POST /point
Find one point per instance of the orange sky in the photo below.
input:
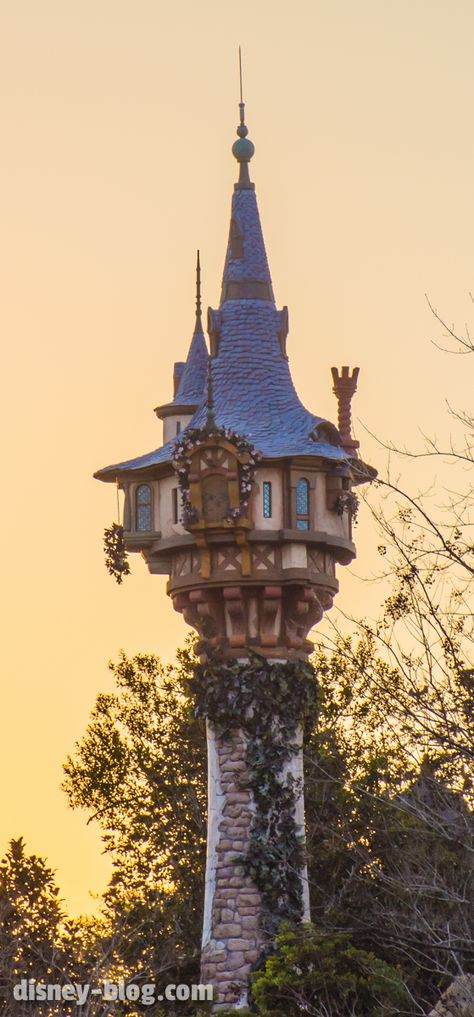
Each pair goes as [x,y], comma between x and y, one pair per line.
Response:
[117,123]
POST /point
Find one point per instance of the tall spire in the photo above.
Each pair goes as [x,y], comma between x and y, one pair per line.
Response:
[243,149]
[246,272]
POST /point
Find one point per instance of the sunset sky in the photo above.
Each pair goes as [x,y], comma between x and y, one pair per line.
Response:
[117,125]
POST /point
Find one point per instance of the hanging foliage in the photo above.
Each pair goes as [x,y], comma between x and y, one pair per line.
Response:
[116,559]
[188,442]
[271,702]
[347,502]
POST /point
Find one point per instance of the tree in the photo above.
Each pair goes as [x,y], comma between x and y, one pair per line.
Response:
[389,773]
[30,917]
[389,842]
[140,771]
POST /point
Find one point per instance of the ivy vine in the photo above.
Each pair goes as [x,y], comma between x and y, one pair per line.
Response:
[187,443]
[116,559]
[269,701]
[347,502]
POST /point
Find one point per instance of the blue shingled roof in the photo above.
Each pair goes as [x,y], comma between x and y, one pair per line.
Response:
[245,223]
[193,378]
[253,390]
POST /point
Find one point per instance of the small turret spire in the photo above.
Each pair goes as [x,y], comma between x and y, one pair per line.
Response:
[243,149]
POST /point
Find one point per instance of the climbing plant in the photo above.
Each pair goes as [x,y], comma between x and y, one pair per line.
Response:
[116,559]
[271,702]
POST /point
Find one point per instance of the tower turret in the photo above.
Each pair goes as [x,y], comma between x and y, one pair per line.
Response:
[189,377]
[248,511]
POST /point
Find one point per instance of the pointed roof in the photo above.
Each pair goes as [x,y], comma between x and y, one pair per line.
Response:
[246,272]
[253,392]
[190,377]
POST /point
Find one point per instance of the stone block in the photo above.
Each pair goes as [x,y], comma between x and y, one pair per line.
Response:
[234,766]
[238,798]
[236,831]
[250,922]
[232,811]
[251,956]
[237,944]
[251,896]
[236,960]
[226,929]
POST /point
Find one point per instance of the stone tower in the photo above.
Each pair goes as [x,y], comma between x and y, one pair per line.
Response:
[247,507]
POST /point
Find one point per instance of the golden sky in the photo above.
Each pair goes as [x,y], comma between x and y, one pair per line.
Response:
[117,124]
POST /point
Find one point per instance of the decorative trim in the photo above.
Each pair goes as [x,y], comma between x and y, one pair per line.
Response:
[201,438]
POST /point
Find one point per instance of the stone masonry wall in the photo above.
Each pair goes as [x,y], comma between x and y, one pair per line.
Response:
[232,938]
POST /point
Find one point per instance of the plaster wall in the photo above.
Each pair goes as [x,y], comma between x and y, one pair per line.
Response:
[215,805]
[294,556]
[275,478]
[166,525]
[295,767]
[326,519]
[170,423]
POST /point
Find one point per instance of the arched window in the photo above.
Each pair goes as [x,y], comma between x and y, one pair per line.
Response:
[302,504]
[143,507]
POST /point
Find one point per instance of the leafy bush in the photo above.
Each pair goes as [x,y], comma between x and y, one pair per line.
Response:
[325,976]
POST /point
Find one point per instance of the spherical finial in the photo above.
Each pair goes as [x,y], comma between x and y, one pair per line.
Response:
[243,150]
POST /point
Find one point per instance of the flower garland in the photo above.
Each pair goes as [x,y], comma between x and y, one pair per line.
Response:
[183,448]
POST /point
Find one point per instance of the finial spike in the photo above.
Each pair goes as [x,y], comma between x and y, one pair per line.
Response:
[198,288]
[243,149]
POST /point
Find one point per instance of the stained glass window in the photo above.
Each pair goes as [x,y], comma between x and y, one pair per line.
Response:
[302,504]
[267,499]
[143,505]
